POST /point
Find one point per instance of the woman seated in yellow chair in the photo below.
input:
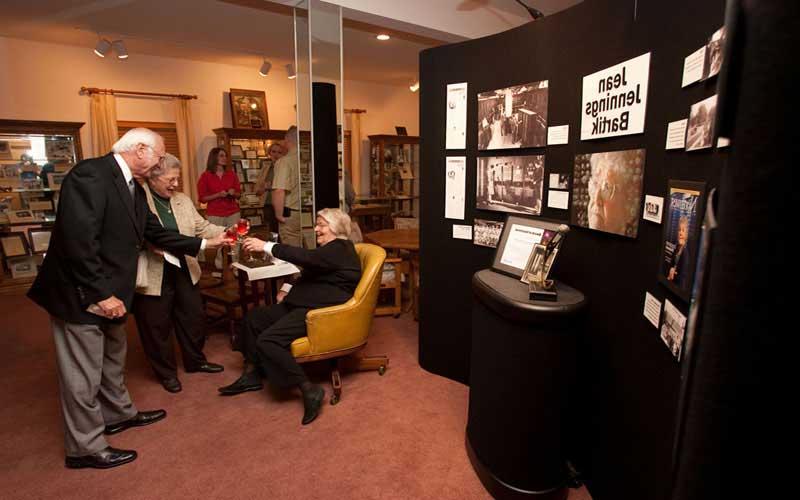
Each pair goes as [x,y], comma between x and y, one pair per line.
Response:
[330,276]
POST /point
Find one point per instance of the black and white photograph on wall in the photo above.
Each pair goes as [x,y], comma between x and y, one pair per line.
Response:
[513,117]
[673,328]
[510,184]
[700,132]
[607,191]
[59,148]
[487,232]
[559,181]
[684,206]
[714,51]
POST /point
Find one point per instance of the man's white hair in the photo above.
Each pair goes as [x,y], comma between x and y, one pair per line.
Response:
[133,138]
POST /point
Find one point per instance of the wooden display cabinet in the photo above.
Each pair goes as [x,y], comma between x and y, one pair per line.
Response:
[394,168]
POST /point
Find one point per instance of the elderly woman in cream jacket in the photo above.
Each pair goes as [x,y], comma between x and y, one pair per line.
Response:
[167,298]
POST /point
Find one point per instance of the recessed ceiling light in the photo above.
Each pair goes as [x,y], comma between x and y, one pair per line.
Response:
[383,37]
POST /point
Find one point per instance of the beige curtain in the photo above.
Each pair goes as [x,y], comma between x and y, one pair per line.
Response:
[183,125]
[355,151]
[103,115]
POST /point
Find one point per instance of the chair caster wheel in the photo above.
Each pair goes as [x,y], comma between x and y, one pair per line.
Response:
[334,399]
[381,370]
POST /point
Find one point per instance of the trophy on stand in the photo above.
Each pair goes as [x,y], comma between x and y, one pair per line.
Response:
[539,265]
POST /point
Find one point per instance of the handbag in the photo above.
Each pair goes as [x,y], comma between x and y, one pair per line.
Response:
[141,270]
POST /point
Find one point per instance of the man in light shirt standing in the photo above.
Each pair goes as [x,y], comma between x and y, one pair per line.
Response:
[286,192]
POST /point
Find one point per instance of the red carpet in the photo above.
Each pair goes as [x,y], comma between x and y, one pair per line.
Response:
[396,436]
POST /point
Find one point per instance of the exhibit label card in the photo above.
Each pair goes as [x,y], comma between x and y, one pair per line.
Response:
[461,232]
[615,99]
[558,199]
[673,329]
[519,245]
[653,208]
[693,66]
[558,135]
[652,309]
[456,116]
[676,134]
[553,181]
[455,179]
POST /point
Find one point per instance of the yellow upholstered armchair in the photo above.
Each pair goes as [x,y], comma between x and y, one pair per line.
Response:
[340,332]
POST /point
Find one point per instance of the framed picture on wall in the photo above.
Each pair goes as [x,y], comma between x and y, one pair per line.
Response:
[683,209]
[236,151]
[252,174]
[517,240]
[40,239]
[510,184]
[54,180]
[249,109]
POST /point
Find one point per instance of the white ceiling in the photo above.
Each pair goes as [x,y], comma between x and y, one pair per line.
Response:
[242,32]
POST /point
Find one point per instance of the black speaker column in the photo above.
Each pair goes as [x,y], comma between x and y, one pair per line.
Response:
[326,159]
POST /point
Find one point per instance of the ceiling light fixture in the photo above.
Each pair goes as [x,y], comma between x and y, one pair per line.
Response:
[383,37]
[290,71]
[414,86]
[265,67]
[120,49]
[102,48]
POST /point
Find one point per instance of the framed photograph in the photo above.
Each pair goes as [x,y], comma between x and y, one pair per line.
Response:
[607,191]
[700,130]
[22,267]
[510,184]
[401,130]
[252,174]
[236,151]
[486,233]
[516,243]
[14,245]
[251,199]
[54,180]
[40,239]
[59,148]
[681,229]
[17,216]
[250,153]
[40,205]
[513,117]
[5,151]
[249,109]
[240,176]
[255,220]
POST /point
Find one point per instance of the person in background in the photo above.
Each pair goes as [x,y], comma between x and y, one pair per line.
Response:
[170,299]
[331,273]
[263,186]
[286,192]
[219,188]
[86,284]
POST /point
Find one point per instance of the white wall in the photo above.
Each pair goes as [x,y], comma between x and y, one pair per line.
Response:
[41,81]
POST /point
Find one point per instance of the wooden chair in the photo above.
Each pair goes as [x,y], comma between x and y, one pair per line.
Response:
[398,267]
[339,333]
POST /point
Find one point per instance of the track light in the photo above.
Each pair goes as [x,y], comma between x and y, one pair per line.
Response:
[414,86]
[102,48]
[290,71]
[383,37]
[265,67]
[120,49]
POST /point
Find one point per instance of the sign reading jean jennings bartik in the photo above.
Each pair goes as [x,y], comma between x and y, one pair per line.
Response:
[614,99]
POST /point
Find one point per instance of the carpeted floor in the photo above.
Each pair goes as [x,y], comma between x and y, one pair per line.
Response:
[396,436]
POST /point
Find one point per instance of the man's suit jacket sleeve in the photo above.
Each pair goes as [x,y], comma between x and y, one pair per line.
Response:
[80,207]
[170,241]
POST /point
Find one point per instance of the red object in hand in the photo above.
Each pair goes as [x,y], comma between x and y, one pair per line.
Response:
[243,227]
[231,233]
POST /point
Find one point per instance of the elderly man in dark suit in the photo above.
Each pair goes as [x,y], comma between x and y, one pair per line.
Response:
[87,283]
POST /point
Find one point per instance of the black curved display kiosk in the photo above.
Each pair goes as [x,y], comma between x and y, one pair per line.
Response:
[522,366]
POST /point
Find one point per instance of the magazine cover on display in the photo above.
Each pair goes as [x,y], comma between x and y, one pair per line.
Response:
[510,184]
[513,117]
[607,191]
[678,253]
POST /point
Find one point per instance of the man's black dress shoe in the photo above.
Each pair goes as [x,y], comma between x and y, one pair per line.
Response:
[247,382]
[207,368]
[312,402]
[141,418]
[172,384]
[103,459]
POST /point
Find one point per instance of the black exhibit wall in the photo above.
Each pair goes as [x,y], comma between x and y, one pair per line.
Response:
[626,400]
[326,156]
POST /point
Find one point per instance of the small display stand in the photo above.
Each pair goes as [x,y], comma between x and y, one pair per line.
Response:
[521,372]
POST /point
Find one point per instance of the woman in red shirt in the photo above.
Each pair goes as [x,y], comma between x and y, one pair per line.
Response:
[219,188]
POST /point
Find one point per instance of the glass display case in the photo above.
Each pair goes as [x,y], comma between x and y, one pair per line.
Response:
[34,158]
[394,168]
